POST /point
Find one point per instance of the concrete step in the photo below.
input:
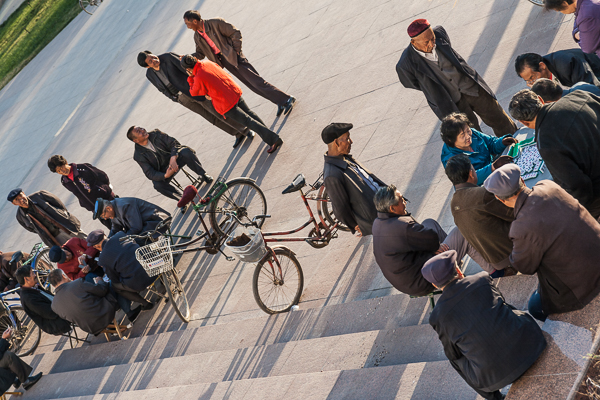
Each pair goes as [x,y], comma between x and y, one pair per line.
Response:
[418,381]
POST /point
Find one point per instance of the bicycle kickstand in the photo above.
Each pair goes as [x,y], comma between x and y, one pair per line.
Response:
[228,258]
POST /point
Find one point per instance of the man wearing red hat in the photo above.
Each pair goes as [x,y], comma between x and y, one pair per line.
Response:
[431,65]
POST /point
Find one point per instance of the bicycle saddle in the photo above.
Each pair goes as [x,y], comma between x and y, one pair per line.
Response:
[188,195]
[18,256]
[298,183]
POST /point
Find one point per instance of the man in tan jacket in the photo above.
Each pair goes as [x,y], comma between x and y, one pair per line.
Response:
[221,42]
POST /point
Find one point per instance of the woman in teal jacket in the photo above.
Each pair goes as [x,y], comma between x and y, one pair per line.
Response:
[460,138]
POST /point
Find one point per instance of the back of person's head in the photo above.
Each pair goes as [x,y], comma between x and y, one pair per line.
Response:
[130,133]
[557,5]
[531,60]
[458,168]
[524,105]
[385,198]
[56,276]
[452,126]
[547,89]
[188,61]
[192,15]
[56,161]
[141,58]
[22,273]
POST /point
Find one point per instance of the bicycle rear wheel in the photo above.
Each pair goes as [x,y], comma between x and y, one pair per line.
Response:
[176,294]
[26,334]
[327,210]
[277,289]
[43,266]
[89,6]
[537,2]
[242,196]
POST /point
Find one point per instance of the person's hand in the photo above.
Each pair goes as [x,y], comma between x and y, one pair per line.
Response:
[7,333]
[86,269]
[170,172]
[507,141]
[82,259]
[208,97]
[173,163]
[576,36]
[443,247]
[502,160]
[358,232]
[97,280]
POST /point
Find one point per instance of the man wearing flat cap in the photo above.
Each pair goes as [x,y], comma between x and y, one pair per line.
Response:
[77,259]
[488,342]
[44,214]
[554,236]
[431,65]
[350,186]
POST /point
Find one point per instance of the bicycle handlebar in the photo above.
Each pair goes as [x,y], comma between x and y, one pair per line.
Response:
[11,291]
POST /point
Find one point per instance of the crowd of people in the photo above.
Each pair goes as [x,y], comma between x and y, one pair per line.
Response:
[507,228]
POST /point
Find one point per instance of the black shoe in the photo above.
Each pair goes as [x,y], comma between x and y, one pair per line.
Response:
[250,135]
[133,314]
[289,105]
[275,146]
[238,140]
[207,178]
[32,380]
[148,306]
[280,109]
[17,383]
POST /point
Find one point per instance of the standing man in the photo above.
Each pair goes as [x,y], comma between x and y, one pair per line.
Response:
[568,67]
[161,156]
[44,214]
[85,181]
[567,133]
[431,65]
[553,236]
[350,186]
[167,75]
[221,42]
[488,342]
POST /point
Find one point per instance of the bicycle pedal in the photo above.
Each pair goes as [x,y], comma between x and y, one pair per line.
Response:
[229,258]
[200,232]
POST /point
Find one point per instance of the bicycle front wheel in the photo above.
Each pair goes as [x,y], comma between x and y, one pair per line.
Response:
[89,6]
[327,210]
[43,266]
[176,293]
[278,281]
[242,196]
[26,334]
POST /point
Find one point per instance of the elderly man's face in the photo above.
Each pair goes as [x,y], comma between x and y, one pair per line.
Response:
[344,143]
[108,213]
[68,255]
[530,76]
[192,24]
[400,208]
[153,61]
[425,42]
[140,136]
[21,200]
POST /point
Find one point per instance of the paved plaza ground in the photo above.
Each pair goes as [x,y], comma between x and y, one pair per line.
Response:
[79,96]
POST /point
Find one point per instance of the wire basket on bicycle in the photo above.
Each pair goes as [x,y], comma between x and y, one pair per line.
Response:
[251,252]
[156,258]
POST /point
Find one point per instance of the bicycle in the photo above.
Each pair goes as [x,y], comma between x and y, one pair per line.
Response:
[39,260]
[26,334]
[88,5]
[537,2]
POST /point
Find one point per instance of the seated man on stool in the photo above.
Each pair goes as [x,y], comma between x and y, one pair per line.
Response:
[38,304]
[126,274]
[402,246]
[8,280]
[161,156]
[92,307]
[13,370]
[77,259]
[488,342]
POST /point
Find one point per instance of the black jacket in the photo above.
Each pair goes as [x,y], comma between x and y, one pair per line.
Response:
[414,73]
[401,246]
[489,341]
[351,197]
[176,75]
[119,262]
[7,271]
[54,209]
[135,216]
[7,377]
[155,164]
[568,138]
[88,184]
[572,66]
[39,309]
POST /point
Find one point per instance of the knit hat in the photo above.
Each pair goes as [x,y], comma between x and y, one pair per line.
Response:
[417,27]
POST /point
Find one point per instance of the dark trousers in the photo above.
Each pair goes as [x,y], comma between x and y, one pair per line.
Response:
[495,395]
[594,208]
[128,293]
[244,115]
[188,158]
[490,112]
[14,364]
[206,110]
[246,73]
[535,307]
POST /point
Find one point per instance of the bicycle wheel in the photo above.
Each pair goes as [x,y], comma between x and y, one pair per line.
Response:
[537,2]
[277,283]
[327,210]
[43,266]
[26,334]
[176,294]
[242,196]
[89,6]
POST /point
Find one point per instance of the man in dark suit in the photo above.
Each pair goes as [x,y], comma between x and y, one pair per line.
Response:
[431,65]
[13,370]
[167,75]
[488,342]
[568,67]
[350,186]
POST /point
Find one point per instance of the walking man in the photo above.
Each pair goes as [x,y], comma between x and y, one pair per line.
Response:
[221,42]
[431,65]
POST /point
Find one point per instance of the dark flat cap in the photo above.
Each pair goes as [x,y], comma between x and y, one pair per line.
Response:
[188,61]
[13,194]
[440,268]
[141,58]
[417,27]
[334,131]
[504,181]
[99,207]
[57,255]
[95,237]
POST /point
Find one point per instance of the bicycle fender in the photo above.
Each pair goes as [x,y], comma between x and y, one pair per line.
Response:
[240,179]
[279,246]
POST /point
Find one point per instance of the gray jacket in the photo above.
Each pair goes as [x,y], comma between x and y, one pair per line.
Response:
[135,216]
[90,306]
